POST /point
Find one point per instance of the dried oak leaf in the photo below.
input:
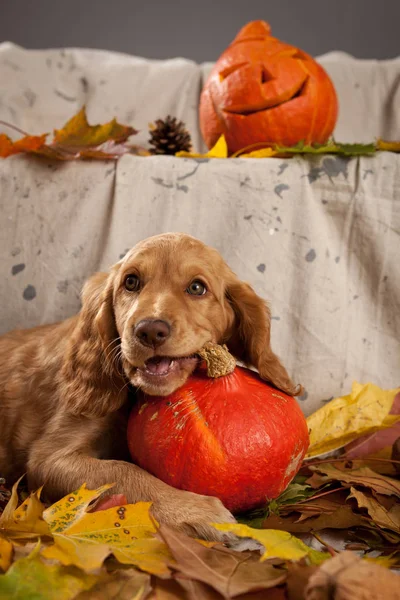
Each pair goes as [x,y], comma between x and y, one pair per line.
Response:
[182,589]
[229,573]
[396,454]
[128,584]
[328,503]
[347,577]
[387,519]
[363,476]
[342,518]
[298,575]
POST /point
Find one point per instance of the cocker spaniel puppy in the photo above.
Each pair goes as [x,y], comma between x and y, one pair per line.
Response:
[65,389]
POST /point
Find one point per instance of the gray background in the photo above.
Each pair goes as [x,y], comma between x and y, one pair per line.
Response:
[201,29]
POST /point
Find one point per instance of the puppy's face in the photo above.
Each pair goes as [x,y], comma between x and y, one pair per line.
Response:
[169,299]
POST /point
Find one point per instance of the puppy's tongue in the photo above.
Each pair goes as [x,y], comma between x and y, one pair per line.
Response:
[159,365]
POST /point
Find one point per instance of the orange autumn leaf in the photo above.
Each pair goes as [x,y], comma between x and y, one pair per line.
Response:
[29,143]
[77,139]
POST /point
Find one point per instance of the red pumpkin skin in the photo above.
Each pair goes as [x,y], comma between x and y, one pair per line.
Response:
[235,437]
[262,90]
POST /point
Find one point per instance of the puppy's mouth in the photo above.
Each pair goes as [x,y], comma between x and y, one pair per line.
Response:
[162,366]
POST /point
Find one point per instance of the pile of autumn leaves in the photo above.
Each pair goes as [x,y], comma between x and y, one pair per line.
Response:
[79,140]
[287,550]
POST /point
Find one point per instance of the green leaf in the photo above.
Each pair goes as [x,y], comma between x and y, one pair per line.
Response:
[295,492]
[31,578]
[330,147]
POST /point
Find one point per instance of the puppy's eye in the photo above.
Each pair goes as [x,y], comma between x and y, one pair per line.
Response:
[196,288]
[132,283]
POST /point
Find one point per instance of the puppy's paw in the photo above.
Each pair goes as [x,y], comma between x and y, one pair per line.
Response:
[193,514]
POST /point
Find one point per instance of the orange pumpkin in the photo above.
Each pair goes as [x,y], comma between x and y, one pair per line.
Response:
[263,90]
[234,437]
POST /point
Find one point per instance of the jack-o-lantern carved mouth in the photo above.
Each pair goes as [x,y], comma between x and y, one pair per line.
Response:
[247,88]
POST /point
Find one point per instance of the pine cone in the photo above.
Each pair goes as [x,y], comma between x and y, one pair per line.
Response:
[169,136]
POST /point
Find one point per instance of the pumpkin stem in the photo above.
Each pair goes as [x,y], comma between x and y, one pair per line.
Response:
[219,361]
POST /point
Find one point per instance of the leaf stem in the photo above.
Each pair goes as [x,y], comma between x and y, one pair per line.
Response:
[330,549]
[13,127]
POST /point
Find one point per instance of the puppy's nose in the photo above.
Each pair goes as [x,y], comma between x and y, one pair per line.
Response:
[152,332]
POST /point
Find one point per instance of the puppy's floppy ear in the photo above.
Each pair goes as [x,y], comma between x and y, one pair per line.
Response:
[91,383]
[251,340]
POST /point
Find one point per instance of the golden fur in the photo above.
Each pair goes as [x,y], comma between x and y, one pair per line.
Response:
[64,387]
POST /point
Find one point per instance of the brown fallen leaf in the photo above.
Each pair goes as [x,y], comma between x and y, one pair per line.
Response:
[277,593]
[314,506]
[348,577]
[388,519]
[228,572]
[396,455]
[297,579]
[194,590]
[316,480]
[342,518]
[363,476]
[128,584]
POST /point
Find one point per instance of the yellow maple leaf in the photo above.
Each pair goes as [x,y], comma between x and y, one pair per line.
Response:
[277,544]
[339,422]
[78,132]
[26,521]
[85,539]
[262,153]
[219,150]
[388,146]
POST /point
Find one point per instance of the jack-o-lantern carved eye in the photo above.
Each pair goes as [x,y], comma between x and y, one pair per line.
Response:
[265,75]
[262,90]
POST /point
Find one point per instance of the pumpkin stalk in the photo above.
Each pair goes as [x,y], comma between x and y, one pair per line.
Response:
[219,361]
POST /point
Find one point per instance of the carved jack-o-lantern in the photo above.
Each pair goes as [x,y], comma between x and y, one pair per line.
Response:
[263,90]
